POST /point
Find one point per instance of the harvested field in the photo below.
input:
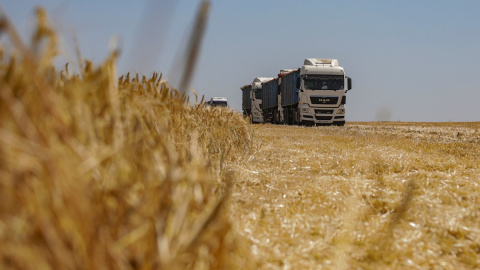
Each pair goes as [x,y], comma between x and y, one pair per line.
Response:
[102,172]
[368,195]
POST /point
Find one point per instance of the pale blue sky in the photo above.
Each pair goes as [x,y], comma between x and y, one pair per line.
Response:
[409,60]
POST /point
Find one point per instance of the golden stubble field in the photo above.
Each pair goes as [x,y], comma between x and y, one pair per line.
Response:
[101,171]
[368,195]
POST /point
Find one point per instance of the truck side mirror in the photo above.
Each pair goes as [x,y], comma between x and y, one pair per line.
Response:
[298,82]
[349,83]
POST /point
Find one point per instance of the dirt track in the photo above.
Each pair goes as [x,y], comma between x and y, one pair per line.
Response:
[370,195]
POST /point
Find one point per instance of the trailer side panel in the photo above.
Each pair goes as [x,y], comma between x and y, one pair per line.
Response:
[288,88]
[246,100]
[270,94]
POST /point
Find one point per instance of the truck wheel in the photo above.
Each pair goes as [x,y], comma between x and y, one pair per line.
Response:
[296,117]
[290,116]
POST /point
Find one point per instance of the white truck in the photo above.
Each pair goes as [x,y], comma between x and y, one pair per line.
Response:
[256,97]
[218,102]
[315,93]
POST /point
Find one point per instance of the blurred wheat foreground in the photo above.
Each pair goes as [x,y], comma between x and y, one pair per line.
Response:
[98,172]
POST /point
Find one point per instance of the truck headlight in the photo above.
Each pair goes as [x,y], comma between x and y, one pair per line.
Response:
[341,111]
[305,110]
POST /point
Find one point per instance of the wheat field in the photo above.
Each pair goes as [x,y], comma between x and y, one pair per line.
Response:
[106,171]
[373,195]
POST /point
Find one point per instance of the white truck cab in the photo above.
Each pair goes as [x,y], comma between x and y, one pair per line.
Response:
[323,86]
[218,102]
[256,97]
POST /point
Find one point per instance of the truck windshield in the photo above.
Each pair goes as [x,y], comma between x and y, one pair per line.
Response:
[324,82]
[258,94]
[220,103]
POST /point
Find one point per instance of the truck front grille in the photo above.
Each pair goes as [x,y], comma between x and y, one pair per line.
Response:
[324,111]
[323,100]
[323,117]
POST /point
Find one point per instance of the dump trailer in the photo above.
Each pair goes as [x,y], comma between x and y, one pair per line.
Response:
[289,89]
[246,100]
[256,97]
[270,104]
[218,102]
[315,93]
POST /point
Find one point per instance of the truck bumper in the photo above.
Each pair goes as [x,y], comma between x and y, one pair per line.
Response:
[323,118]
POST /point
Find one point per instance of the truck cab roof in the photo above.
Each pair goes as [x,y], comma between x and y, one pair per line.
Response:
[322,66]
[219,99]
[257,82]
[320,62]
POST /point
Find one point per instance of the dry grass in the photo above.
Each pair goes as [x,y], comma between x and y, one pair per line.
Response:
[98,172]
[368,195]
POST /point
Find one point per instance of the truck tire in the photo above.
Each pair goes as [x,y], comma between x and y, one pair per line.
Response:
[296,116]
[286,116]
